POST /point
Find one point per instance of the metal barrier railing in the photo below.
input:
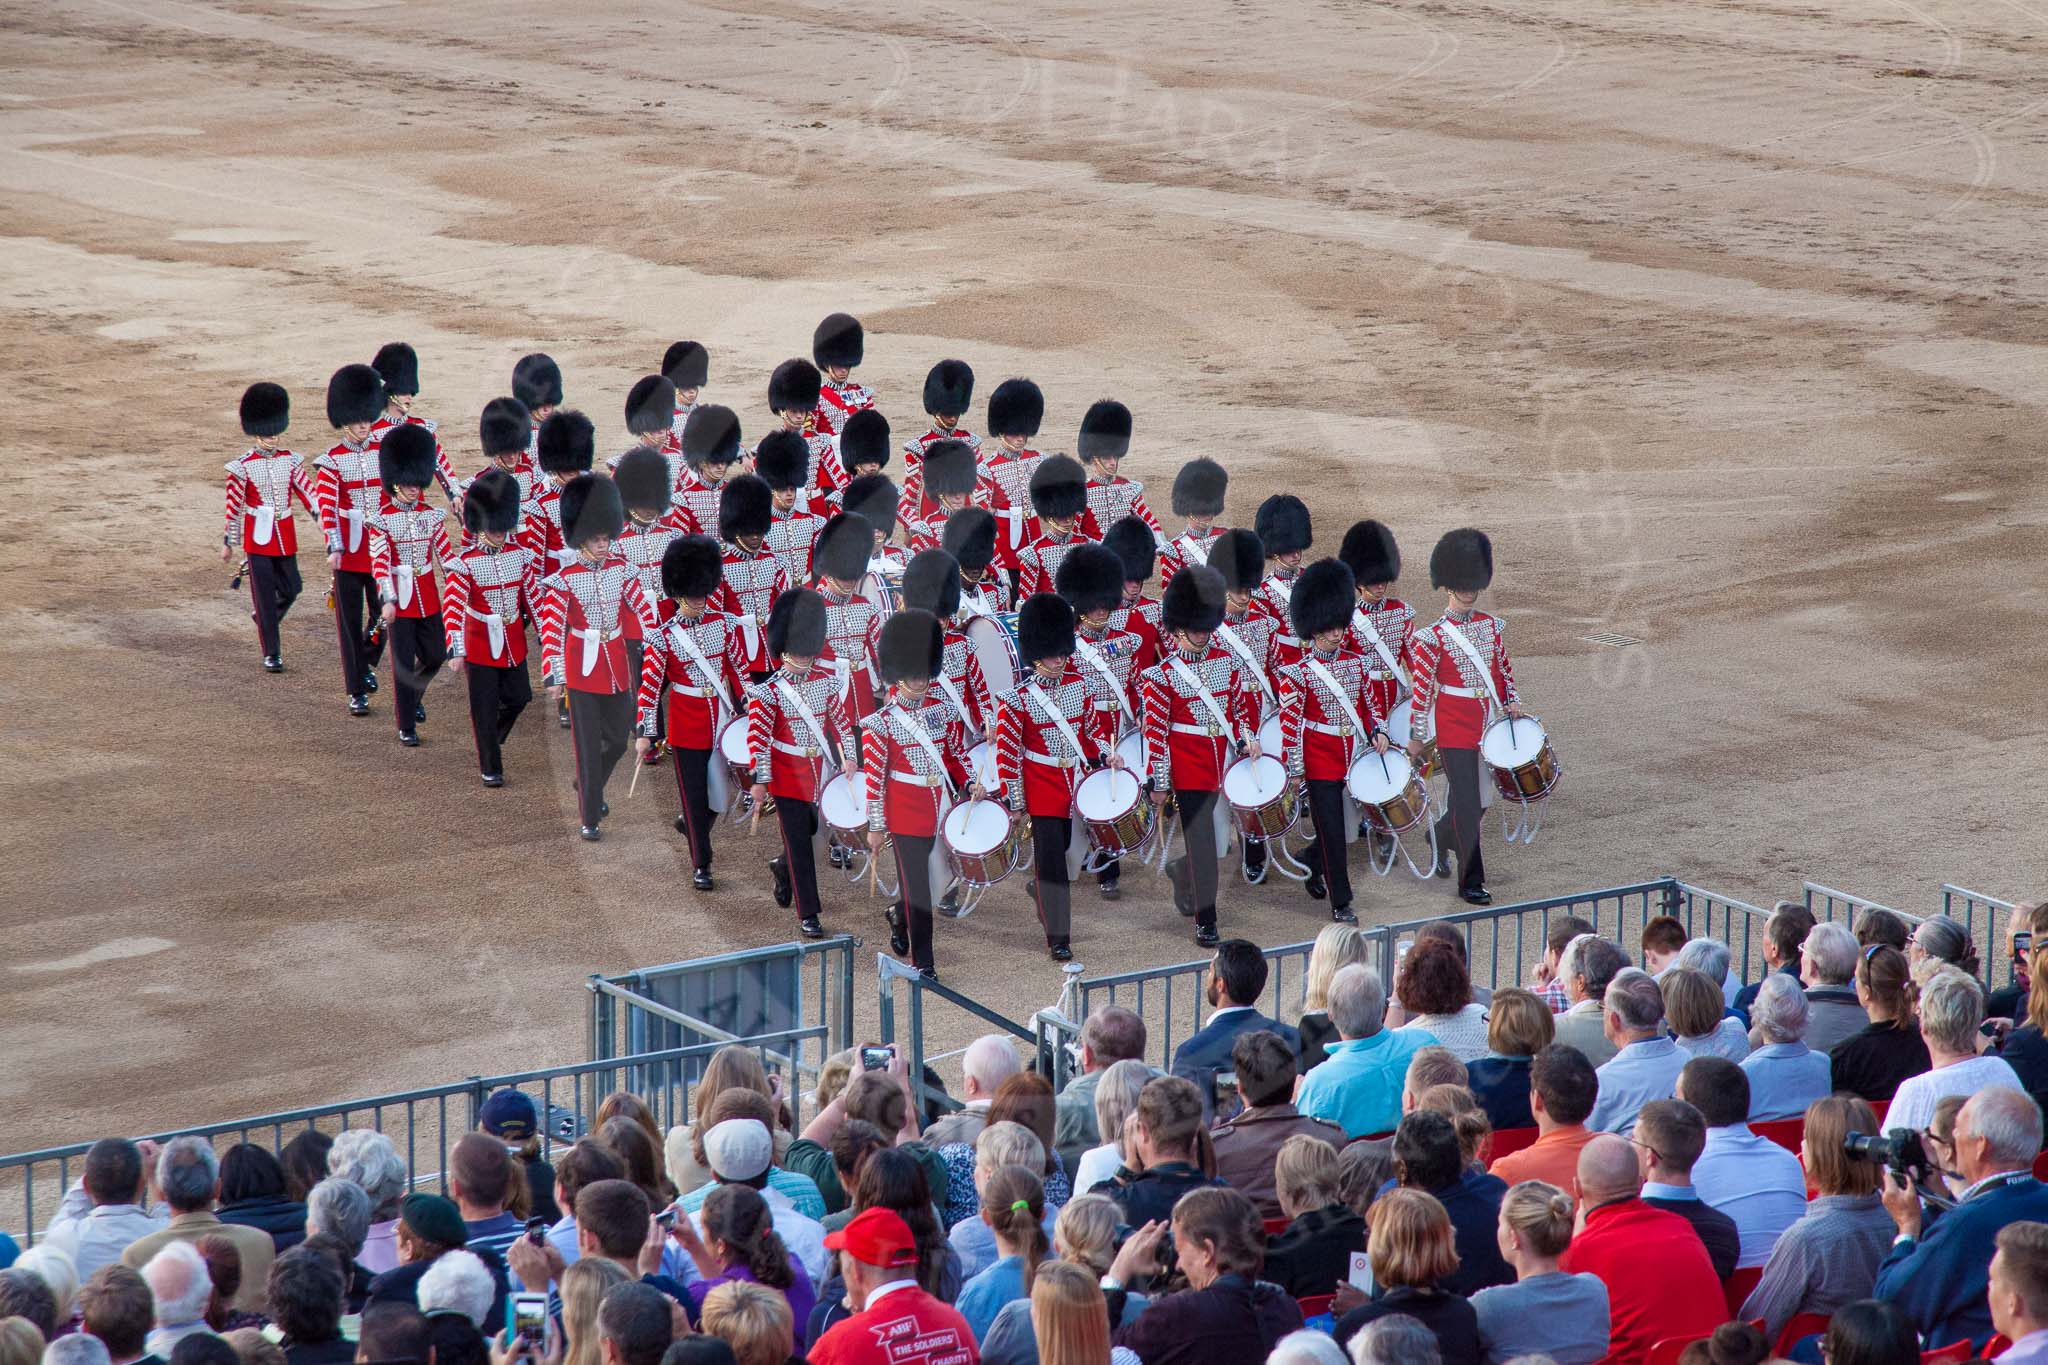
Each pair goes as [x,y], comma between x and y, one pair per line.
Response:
[1960,903]
[894,977]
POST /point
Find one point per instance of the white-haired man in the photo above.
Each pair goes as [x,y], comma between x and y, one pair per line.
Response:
[79,1348]
[1645,1064]
[179,1282]
[1827,964]
[188,1177]
[1588,965]
[989,1061]
[458,1282]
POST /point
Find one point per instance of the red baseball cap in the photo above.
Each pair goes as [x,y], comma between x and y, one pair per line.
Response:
[877,1237]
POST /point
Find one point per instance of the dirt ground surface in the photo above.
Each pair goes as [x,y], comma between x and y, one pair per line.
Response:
[1725,318]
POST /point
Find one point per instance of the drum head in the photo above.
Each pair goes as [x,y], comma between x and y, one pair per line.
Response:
[977,827]
[732,743]
[1269,736]
[1105,794]
[981,762]
[1508,744]
[1131,748]
[1373,780]
[995,651]
[844,802]
[1398,722]
[1254,781]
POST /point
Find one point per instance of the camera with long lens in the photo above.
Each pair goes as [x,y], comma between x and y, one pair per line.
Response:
[1900,1151]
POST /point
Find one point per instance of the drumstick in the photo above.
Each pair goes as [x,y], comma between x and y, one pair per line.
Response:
[874,871]
[1384,771]
[632,785]
[755,823]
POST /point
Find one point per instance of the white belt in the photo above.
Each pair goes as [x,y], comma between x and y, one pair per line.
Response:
[593,640]
[354,518]
[1472,692]
[265,517]
[684,690]
[494,627]
[563,557]
[1205,731]
[1048,760]
[1015,515]
[915,779]
[1340,731]
[794,750]
[1108,704]
[1380,675]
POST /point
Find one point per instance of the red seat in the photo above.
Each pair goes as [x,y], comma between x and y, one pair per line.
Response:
[1785,1132]
[2041,1166]
[1955,1353]
[1275,1226]
[1508,1140]
[1881,1108]
[1667,1351]
[1736,1288]
[1314,1305]
[1803,1325]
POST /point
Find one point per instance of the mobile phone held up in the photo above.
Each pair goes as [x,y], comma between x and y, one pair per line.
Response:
[667,1218]
[529,1319]
[876,1058]
[537,1231]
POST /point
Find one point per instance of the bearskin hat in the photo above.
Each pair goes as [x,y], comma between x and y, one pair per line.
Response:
[838,340]
[913,645]
[1045,628]
[642,477]
[745,508]
[794,386]
[590,508]
[931,582]
[505,428]
[1133,542]
[537,381]
[693,567]
[405,458]
[950,468]
[687,364]
[970,537]
[266,410]
[711,435]
[1059,487]
[354,394]
[1199,487]
[843,548]
[872,497]
[1238,556]
[1016,408]
[491,503]
[1105,431]
[1462,561]
[1370,553]
[796,624]
[1091,579]
[864,440]
[1282,524]
[650,404]
[567,443]
[399,364]
[1323,597]
[949,388]
[1193,600]
[783,459]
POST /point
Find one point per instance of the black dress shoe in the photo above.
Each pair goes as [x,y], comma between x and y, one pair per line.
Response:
[494,779]
[701,879]
[809,927]
[408,739]
[1314,886]
[604,808]
[591,834]
[370,680]
[272,664]
[785,894]
[899,930]
[1060,952]
[928,973]
[419,713]
[359,705]
[1480,897]
[1110,890]
[682,824]
[1443,865]
[1341,914]
[949,904]
[1205,936]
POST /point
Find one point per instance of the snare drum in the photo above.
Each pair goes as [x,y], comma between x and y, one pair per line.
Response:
[732,747]
[981,840]
[844,805]
[1256,789]
[1400,723]
[1518,751]
[1389,792]
[1270,742]
[994,642]
[1131,749]
[1114,811]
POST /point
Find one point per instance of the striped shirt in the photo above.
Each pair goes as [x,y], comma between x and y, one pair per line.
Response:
[1825,1260]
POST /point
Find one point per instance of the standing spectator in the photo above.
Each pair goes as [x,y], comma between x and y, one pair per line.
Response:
[1171,1150]
[1870,1333]
[1427,1157]
[180,1289]
[624,1104]
[1659,1281]
[481,1178]
[882,1098]
[1070,1321]
[1700,1022]
[732,1067]
[584,1286]
[737,1102]
[1546,978]
[1025,1099]
[1110,1035]
[513,1119]
[1435,993]
[2026,1047]
[878,1256]
[1545,1311]
[1944,940]
[252,1194]
[1669,1137]
[1247,1143]
[366,1158]
[634,1325]
[894,1180]
[105,1211]
[1013,1206]
[188,1174]
[1710,957]
[1337,946]
[754,1320]
[305,1293]
[1951,1007]
[1002,1144]
[1413,1260]
[1312,1254]
[1751,1179]
[115,1305]
[586,1163]
[987,1063]
[1225,1314]
[1517,1028]
[1827,964]
[1785,1075]
[1237,978]
[337,1213]
[2018,1286]
[1785,929]
[304,1160]
[1663,940]
[1563,1088]
[739,1243]
[1359,1087]
[1645,1064]
[1590,964]
[1875,1062]
[1116,1099]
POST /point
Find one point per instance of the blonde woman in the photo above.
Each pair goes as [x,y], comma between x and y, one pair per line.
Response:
[1313,1252]
[1338,945]
[1069,1321]
[1085,1236]
[1545,1310]
[755,1321]
[584,1286]
[1413,1251]
[728,1068]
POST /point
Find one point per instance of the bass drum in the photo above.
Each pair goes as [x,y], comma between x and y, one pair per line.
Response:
[732,749]
[994,642]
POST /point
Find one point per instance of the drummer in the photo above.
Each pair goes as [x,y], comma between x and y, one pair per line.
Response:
[1255,637]
[931,582]
[1104,441]
[863,450]
[872,497]
[840,560]
[753,575]
[1198,492]
[1382,626]
[1130,539]
[1283,526]
[1326,712]
[1059,503]
[970,538]
[1091,579]
[910,751]
[1461,675]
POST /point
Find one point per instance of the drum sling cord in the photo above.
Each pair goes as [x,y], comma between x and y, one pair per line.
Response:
[681,635]
[1524,830]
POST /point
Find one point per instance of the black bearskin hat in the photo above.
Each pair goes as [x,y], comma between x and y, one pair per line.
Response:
[796,624]
[354,394]
[864,440]
[1282,524]
[1462,561]
[1323,597]
[838,340]
[1199,488]
[692,566]
[794,385]
[843,548]
[505,428]
[783,459]
[1133,542]
[949,468]
[642,477]
[745,508]
[873,498]
[1091,579]
[567,443]
[949,388]
[266,410]
[1059,487]
[687,364]
[405,457]
[1016,408]
[931,582]
[399,363]
[590,508]
[913,645]
[1105,431]
[650,404]
[1193,601]
[537,381]
[1239,558]
[711,435]
[1045,628]
[1370,553]
[970,537]
[491,503]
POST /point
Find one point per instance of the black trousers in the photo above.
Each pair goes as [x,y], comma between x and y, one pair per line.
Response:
[799,821]
[418,649]
[1195,883]
[693,768]
[355,621]
[274,584]
[1327,853]
[601,725]
[496,697]
[1049,835]
[1457,829]
[914,877]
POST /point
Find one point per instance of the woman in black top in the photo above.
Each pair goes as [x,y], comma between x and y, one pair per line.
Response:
[1312,1254]
[1412,1251]
[1873,1063]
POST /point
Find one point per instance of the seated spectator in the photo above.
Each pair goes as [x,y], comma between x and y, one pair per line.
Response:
[306,1296]
[454,1340]
[882,1098]
[1110,1035]
[1645,1064]
[893,1179]
[1068,1314]
[105,1211]
[1710,957]
[460,1283]
[1785,1075]
[733,1066]
[304,1160]
[114,1305]
[1002,1144]
[1876,1061]
[1247,1143]
[430,1226]
[586,1163]
[2018,1297]
[1700,1022]
[698,1349]
[514,1120]
[1951,1008]
[1362,1174]
[1337,946]
[1751,1179]
[1669,1137]
[1413,1261]
[1939,1279]
[1445,932]
[584,1286]
[253,1348]
[1545,1311]
[1170,1152]
[482,1178]
[1732,1343]
[744,1102]
[1662,941]
[224,1276]
[1659,1281]
[878,1255]
[1085,1236]
[1517,1028]
[1237,978]
[188,1176]
[55,1270]
[1428,1157]
[1944,940]
[1308,1347]
[338,1211]
[1226,1313]
[1359,1087]
[1313,1252]
[1590,964]
[1116,1099]
[1827,964]
[75,1349]
[252,1194]
[852,1145]
[1546,978]
[181,1289]
[1870,1333]
[988,1062]
[634,1325]
[739,1243]
[1397,1339]
[753,1319]
[2026,1047]
[1785,929]
[1434,989]
[1563,1088]
[2010,1000]
[365,1157]
[1024,1099]
[1883,926]
[641,1155]
[1013,1207]
[1830,1257]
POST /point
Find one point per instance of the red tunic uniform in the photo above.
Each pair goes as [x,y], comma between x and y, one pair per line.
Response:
[1263,636]
[1450,689]
[1186,743]
[582,635]
[988,595]
[346,489]
[791,536]
[1039,561]
[1141,617]
[1037,766]
[785,749]
[1119,498]
[700,500]
[905,786]
[444,473]
[962,683]
[1318,737]
[260,479]
[542,528]
[1392,622]
[1184,549]
[486,585]
[1016,526]
[405,545]
[837,402]
[524,472]
[853,627]
[752,583]
[914,448]
[642,545]
[673,446]
[700,700]
[1109,663]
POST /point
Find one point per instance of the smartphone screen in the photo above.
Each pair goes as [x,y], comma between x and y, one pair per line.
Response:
[875,1058]
[530,1317]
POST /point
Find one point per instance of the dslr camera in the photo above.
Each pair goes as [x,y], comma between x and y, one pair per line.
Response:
[1899,1151]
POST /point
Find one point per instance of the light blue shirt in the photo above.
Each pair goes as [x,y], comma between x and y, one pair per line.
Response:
[1756,1183]
[1783,1079]
[982,1297]
[1634,1076]
[1359,1087]
[974,1242]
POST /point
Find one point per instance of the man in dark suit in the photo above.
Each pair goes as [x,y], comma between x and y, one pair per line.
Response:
[1669,1137]
[1237,978]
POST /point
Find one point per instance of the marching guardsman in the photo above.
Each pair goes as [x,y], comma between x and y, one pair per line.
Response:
[1253,635]
[863,451]
[398,364]
[1132,542]
[780,461]
[1382,626]
[261,483]
[687,365]
[910,754]
[1104,441]
[1059,497]
[346,489]
[1198,712]
[537,382]
[693,669]
[506,434]
[852,622]
[1198,493]
[653,523]
[948,482]
[1327,716]
[408,538]
[793,398]
[1091,579]
[948,392]
[931,582]
[1015,412]
[650,409]
[798,733]
[493,590]
[1283,528]
[971,539]
[564,447]
[753,575]
[873,498]
[1462,675]
[1045,745]
[711,455]
[837,347]
[583,606]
